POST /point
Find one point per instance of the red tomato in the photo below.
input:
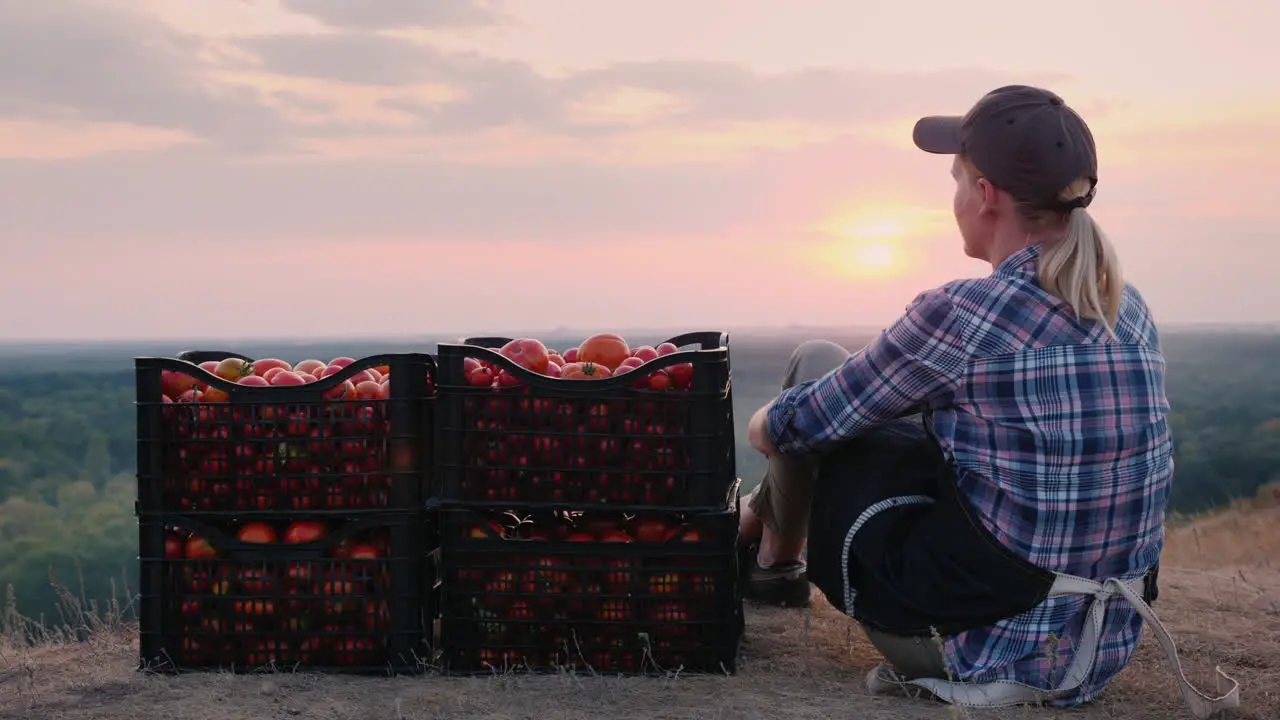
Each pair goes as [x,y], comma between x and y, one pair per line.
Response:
[310,366]
[366,390]
[681,375]
[659,380]
[645,353]
[174,384]
[651,530]
[197,548]
[286,377]
[256,532]
[606,349]
[304,531]
[570,356]
[341,361]
[173,549]
[584,371]
[527,353]
[363,551]
[342,391]
[629,364]
[260,367]
[480,377]
[666,348]
[255,380]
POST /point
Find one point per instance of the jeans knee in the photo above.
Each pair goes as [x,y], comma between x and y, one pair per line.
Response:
[813,359]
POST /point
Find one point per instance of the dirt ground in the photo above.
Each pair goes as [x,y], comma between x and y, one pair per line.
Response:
[1220,597]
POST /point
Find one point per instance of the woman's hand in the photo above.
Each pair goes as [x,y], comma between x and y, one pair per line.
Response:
[758,431]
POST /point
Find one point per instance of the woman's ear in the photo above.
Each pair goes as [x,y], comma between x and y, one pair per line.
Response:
[990,197]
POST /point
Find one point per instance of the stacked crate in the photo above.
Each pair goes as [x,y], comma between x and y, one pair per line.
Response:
[587,524]
[283,526]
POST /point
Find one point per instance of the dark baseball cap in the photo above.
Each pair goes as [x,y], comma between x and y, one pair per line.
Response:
[1024,140]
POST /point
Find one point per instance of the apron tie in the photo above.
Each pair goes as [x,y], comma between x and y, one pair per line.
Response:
[1004,693]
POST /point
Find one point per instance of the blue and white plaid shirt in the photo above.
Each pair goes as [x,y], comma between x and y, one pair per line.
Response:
[1058,431]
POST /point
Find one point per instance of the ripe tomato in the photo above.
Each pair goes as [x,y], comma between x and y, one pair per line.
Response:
[175,384]
[555,358]
[628,365]
[666,348]
[607,349]
[260,367]
[651,530]
[342,361]
[584,371]
[366,390]
[554,370]
[659,380]
[173,549]
[570,356]
[197,548]
[480,377]
[364,551]
[309,366]
[645,353]
[342,391]
[286,377]
[469,365]
[527,353]
[681,375]
[256,532]
[304,531]
[272,372]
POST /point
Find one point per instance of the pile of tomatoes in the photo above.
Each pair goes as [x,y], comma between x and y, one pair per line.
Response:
[600,356]
[535,443]
[329,610]
[327,454]
[566,589]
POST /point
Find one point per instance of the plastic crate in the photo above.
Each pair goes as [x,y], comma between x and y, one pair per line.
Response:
[546,602]
[283,449]
[357,600]
[579,443]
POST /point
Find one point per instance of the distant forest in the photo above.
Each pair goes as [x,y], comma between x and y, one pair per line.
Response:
[67,446]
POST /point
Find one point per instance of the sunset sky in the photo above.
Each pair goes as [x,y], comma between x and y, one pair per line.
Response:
[258,168]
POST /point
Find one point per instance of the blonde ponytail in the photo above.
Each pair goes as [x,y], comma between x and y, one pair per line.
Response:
[1082,269]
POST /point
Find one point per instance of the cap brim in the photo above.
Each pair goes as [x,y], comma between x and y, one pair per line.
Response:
[938,134]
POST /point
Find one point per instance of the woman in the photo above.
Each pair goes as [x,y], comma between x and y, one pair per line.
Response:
[983,486]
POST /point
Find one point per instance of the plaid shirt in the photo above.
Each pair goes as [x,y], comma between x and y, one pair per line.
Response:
[1059,435]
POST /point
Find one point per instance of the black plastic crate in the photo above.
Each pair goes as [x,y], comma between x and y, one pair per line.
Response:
[239,448]
[217,596]
[578,443]
[520,596]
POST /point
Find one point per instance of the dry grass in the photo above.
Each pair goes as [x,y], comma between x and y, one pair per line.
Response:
[1220,599]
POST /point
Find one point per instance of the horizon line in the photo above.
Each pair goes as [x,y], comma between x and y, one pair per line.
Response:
[550,332]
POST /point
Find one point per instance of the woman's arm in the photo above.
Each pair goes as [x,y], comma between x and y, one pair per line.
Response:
[920,357]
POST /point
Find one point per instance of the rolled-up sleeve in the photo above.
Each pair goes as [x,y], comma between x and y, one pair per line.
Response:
[919,357]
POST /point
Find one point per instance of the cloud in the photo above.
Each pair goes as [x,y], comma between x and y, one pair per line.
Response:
[494,92]
[84,61]
[388,14]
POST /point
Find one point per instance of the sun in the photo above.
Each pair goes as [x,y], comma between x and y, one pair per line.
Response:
[873,242]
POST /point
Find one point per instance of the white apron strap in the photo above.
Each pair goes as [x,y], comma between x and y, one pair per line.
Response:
[1003,693]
